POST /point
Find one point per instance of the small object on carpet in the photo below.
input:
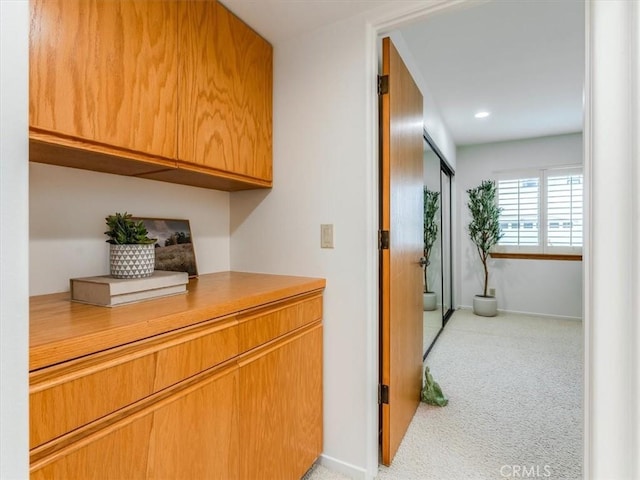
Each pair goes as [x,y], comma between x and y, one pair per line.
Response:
[431,392]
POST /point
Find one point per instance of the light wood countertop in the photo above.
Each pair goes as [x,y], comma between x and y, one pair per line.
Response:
[61,330]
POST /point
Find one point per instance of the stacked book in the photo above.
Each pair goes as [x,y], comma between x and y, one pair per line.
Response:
[108,291]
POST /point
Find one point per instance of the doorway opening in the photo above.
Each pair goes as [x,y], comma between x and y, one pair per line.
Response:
[446,184]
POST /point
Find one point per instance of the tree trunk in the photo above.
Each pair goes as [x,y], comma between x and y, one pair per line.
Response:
[426,285]
[486,275]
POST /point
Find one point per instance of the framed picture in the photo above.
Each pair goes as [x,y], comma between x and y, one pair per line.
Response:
[174,244]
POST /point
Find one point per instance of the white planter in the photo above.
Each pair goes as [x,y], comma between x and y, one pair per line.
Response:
[429,301]
[132,261]
[485,306]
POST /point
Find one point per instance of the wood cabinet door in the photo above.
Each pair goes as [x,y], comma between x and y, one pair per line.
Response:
[105,72]
[196,434]
[225,92]
[281,405]
[191,434]
[122,453]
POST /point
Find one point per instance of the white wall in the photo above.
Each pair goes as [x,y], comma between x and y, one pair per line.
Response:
[612,287]
[68,207]
[520,284]
[322,174]
[14,241]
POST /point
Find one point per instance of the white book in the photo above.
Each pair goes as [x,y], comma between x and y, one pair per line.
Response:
[107,291]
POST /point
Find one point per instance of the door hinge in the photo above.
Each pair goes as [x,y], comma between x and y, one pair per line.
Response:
[383,84]
[383,239]
[383,394]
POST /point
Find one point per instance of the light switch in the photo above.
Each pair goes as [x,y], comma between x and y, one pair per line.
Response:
[326,235]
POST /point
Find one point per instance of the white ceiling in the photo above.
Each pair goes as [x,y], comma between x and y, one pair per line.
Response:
[278,20]
[522,60]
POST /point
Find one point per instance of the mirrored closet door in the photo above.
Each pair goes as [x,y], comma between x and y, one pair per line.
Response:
[438,277]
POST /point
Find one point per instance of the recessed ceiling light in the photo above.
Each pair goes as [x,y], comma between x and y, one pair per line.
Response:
[482,114]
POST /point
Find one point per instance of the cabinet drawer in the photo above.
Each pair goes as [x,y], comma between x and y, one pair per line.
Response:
[262,325]
[189,433]
[67,396]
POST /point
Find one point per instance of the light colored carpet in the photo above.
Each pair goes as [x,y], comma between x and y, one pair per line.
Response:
[514,384]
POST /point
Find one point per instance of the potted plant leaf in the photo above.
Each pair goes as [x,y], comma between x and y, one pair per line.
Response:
[484,230]
[430,206]
[131,251]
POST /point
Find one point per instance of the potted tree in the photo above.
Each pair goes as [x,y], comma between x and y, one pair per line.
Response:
[484,230]
[430,207]
[131,252]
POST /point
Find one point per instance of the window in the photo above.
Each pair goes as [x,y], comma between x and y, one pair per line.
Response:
[564,209]
[541,211]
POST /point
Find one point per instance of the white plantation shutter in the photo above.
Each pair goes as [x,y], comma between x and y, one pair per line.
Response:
[542,211]
[564,210]
[519,199]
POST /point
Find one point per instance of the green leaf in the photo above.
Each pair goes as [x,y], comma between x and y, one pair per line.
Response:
[123,230]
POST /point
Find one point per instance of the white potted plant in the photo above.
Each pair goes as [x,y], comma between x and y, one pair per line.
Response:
[484,230]
[131,252]
[430,206]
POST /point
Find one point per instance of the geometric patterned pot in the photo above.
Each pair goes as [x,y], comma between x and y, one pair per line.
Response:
[132,261]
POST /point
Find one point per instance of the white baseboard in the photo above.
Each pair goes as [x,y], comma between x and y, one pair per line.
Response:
[335,465]
[548,315]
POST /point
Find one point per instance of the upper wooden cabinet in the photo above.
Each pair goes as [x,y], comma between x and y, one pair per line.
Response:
[171,90]
[225,85]
[105,72]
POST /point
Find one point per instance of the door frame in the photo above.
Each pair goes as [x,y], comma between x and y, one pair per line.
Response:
[619,449]
[377,29]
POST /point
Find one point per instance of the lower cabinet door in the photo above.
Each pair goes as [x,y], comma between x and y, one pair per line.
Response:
[196,436]
[281,405]
[192,434]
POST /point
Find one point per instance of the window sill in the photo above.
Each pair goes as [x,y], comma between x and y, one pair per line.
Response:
[538,256]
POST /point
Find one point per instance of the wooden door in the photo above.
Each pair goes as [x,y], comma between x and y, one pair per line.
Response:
[400,272]
[105,72]
[225,92]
